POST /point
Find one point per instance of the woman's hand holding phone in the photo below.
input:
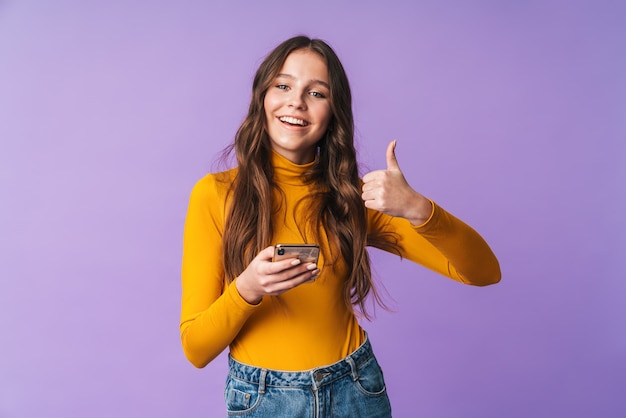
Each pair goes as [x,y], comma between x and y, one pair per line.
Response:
[264,277]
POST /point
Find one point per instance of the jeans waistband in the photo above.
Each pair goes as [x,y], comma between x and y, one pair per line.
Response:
[316,377]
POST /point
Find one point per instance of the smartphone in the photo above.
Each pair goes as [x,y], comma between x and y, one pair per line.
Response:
[307,253]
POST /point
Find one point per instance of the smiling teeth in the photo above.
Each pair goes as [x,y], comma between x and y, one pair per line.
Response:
[292,121]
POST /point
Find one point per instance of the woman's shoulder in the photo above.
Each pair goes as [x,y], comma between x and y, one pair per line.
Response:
[214,185]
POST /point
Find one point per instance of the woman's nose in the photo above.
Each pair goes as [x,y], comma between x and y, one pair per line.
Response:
[297,100]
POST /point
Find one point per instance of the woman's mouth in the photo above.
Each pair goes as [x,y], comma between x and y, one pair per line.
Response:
[293,121]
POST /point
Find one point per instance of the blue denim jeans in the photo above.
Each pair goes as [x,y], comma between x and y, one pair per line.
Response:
[352,387]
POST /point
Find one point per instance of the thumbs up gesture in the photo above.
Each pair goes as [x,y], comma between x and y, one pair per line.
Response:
[387,191]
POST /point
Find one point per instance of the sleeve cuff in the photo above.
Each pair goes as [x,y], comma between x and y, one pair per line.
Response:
[427,221]
[238,299]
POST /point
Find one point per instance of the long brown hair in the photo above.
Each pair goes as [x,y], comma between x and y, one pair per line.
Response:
[338,204]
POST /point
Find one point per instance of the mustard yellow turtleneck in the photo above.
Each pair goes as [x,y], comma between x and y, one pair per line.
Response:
[310,325]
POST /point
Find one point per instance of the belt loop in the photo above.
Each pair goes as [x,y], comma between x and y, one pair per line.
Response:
[262,380]
[353,370]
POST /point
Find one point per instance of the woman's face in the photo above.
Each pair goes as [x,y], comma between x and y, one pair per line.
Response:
[297,106]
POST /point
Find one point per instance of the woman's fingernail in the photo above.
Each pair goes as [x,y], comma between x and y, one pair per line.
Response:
[311,266]
[315,272]
[295,262]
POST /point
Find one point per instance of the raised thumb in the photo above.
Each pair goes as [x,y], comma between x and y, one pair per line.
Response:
[392,162]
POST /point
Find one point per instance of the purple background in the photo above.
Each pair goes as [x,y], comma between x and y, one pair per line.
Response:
[510,114]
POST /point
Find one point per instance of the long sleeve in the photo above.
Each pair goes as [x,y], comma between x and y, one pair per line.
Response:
[444,244]
[212,311]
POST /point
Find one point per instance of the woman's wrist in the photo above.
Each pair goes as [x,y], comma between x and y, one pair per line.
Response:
[419,212]
[246,294]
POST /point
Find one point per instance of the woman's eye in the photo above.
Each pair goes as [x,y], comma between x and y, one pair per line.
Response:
[282,86]
[317,94]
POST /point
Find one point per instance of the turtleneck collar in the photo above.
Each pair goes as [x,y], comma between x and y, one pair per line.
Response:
[287,172]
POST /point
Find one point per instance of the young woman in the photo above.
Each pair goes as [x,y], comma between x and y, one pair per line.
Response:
[296,346]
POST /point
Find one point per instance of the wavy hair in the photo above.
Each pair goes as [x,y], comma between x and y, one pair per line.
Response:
[338,206]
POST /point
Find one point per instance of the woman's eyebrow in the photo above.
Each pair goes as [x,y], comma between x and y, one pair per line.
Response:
[314,81]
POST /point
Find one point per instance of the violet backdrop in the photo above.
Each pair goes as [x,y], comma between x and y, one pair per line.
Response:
[510,114]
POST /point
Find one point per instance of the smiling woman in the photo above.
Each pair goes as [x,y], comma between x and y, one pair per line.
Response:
[296,345]
[297,106]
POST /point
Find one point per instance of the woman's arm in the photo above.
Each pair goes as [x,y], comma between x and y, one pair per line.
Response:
[444,244]
[212,312]
[426,233]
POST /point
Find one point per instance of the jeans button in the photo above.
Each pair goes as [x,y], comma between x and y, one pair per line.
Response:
[319,376]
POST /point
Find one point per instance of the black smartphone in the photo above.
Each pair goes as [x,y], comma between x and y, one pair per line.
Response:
[307,253]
